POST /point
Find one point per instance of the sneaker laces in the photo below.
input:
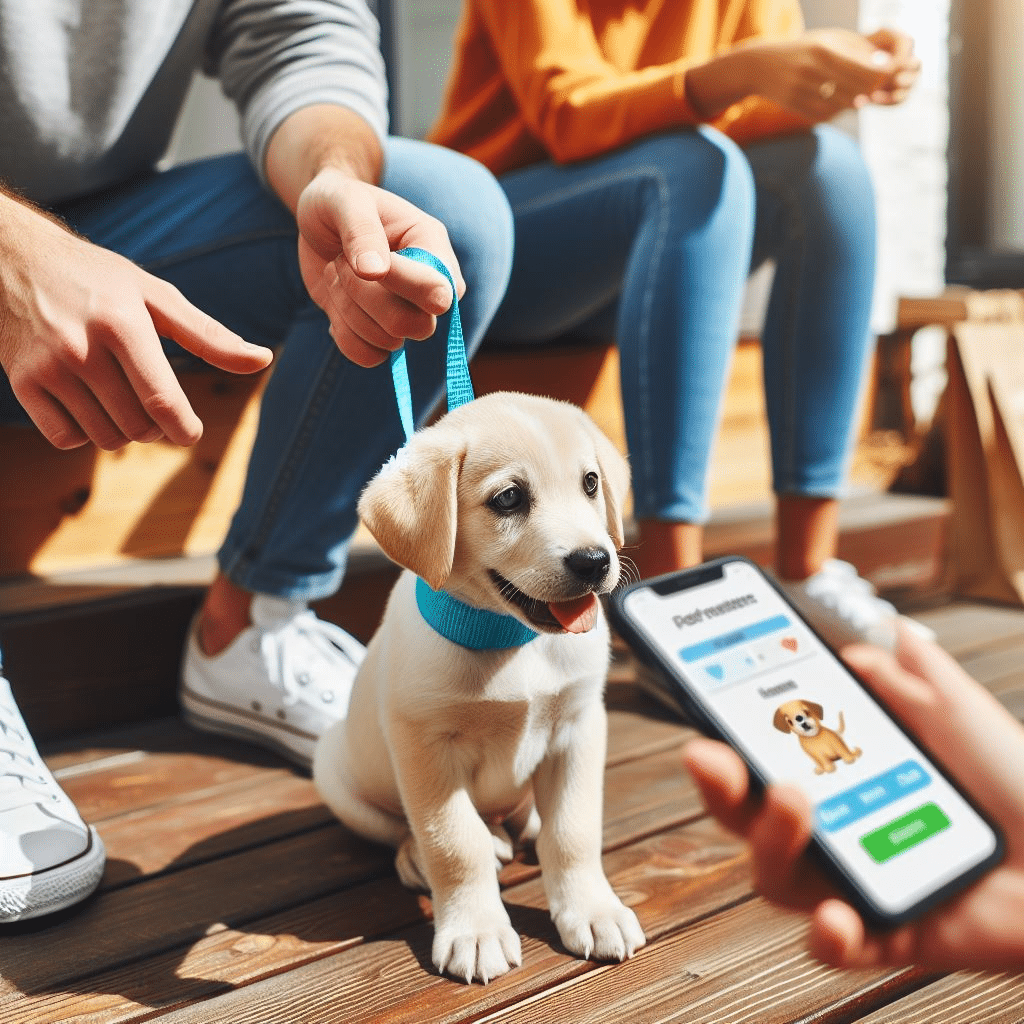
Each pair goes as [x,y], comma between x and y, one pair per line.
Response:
[23,778]
[839,587]
[296,649]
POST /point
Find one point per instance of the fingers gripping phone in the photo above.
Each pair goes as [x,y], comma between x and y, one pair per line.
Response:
[748,669]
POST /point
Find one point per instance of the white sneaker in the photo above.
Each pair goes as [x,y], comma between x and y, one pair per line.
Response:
[280,683]
[845,608]
[49,858]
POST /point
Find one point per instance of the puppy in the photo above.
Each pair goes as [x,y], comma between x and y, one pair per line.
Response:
[512,504]
[822,745]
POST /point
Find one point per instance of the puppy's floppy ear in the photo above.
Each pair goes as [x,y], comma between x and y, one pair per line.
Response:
[614,481]
[781,722]
[814,709]
[411,505]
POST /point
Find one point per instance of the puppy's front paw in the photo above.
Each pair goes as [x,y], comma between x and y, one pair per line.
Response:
[476,946]
[604,929]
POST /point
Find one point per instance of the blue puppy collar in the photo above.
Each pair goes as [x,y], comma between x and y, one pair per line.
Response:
[474,628]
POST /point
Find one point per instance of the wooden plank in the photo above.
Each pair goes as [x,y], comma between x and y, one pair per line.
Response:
[100,664]
[676,877]
[210,874]
[96,751]
[221,959]
[635,734]
[967,628]
[895,541]
[635,729]
[195,800]
[178,763]
[745,963]
[1013,701]
[681,875]
[218,823]
[999,666]
[175,909]
[958,999]
[68,509]
[585,374]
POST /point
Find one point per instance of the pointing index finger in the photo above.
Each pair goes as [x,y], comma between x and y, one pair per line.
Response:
[176,318]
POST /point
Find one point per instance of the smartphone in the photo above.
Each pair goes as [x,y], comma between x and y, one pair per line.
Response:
[746,668]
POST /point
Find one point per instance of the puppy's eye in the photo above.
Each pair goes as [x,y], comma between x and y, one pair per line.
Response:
[590,482]
[509,500]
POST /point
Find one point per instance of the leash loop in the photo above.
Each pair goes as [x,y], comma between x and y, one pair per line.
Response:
[458,384]
[474,628]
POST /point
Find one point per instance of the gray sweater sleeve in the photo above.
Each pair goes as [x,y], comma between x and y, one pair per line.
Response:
[274,57]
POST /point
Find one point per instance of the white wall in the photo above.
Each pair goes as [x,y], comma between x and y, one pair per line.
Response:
[905,147]
[424,30]
[1006,127]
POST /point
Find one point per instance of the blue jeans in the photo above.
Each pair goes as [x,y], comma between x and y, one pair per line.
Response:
[653,244]
[326,425]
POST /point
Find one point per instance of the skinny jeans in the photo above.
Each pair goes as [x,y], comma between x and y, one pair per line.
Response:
[652,245]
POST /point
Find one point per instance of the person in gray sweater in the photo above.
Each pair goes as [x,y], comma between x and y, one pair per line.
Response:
[114,271]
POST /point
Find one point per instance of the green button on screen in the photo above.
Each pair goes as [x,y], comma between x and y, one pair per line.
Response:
[886,842]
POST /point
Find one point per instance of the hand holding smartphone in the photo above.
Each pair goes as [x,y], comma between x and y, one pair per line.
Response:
[895,834]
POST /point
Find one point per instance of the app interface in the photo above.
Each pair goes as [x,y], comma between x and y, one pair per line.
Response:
[897,825]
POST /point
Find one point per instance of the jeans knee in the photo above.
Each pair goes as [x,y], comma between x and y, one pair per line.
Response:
[482,229]
[841,164]
[465,197]
[837,179]
[704,174]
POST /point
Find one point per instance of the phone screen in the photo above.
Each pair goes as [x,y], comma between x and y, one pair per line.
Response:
[882,810]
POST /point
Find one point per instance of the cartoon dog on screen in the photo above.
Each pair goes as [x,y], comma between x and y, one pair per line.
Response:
[822,745]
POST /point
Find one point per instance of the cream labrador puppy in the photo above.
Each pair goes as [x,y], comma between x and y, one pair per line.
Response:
[454,749]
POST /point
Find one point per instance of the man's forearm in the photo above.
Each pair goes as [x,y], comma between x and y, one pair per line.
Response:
[317,137]
[14,207]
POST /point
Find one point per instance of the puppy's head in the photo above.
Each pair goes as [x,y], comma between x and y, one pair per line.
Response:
[800,716]
[511,503]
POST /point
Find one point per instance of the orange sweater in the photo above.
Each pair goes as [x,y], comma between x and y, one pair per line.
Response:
[565,80]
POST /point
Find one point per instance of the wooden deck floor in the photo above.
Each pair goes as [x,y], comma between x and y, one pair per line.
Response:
[232,895]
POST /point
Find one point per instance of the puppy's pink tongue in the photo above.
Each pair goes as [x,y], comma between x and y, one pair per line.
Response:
[578,615]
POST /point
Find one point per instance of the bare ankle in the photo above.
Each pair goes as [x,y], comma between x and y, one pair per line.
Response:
[667,547]
[223,616]
[807,534]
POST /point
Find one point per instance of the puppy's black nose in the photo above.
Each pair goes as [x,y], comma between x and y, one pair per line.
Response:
[588,564]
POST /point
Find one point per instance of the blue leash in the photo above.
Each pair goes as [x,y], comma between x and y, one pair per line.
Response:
[475,628]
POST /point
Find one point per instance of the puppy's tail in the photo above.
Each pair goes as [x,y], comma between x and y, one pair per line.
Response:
[842,724]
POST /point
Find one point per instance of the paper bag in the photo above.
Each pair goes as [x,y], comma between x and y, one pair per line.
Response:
[985,460]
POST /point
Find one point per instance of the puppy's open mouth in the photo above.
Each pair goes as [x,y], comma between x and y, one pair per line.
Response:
[576,615]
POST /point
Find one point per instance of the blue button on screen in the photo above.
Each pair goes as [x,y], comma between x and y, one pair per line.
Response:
[860,801]
[737,636]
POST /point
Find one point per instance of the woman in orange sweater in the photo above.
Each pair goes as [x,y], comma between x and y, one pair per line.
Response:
[654,152]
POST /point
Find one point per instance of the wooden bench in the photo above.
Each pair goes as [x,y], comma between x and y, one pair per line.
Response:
[68,511]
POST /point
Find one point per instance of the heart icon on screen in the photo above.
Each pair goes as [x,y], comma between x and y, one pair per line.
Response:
[789,642]
[715,671]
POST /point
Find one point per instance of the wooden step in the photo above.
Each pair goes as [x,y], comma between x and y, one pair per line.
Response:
[86,650]
[64,511]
